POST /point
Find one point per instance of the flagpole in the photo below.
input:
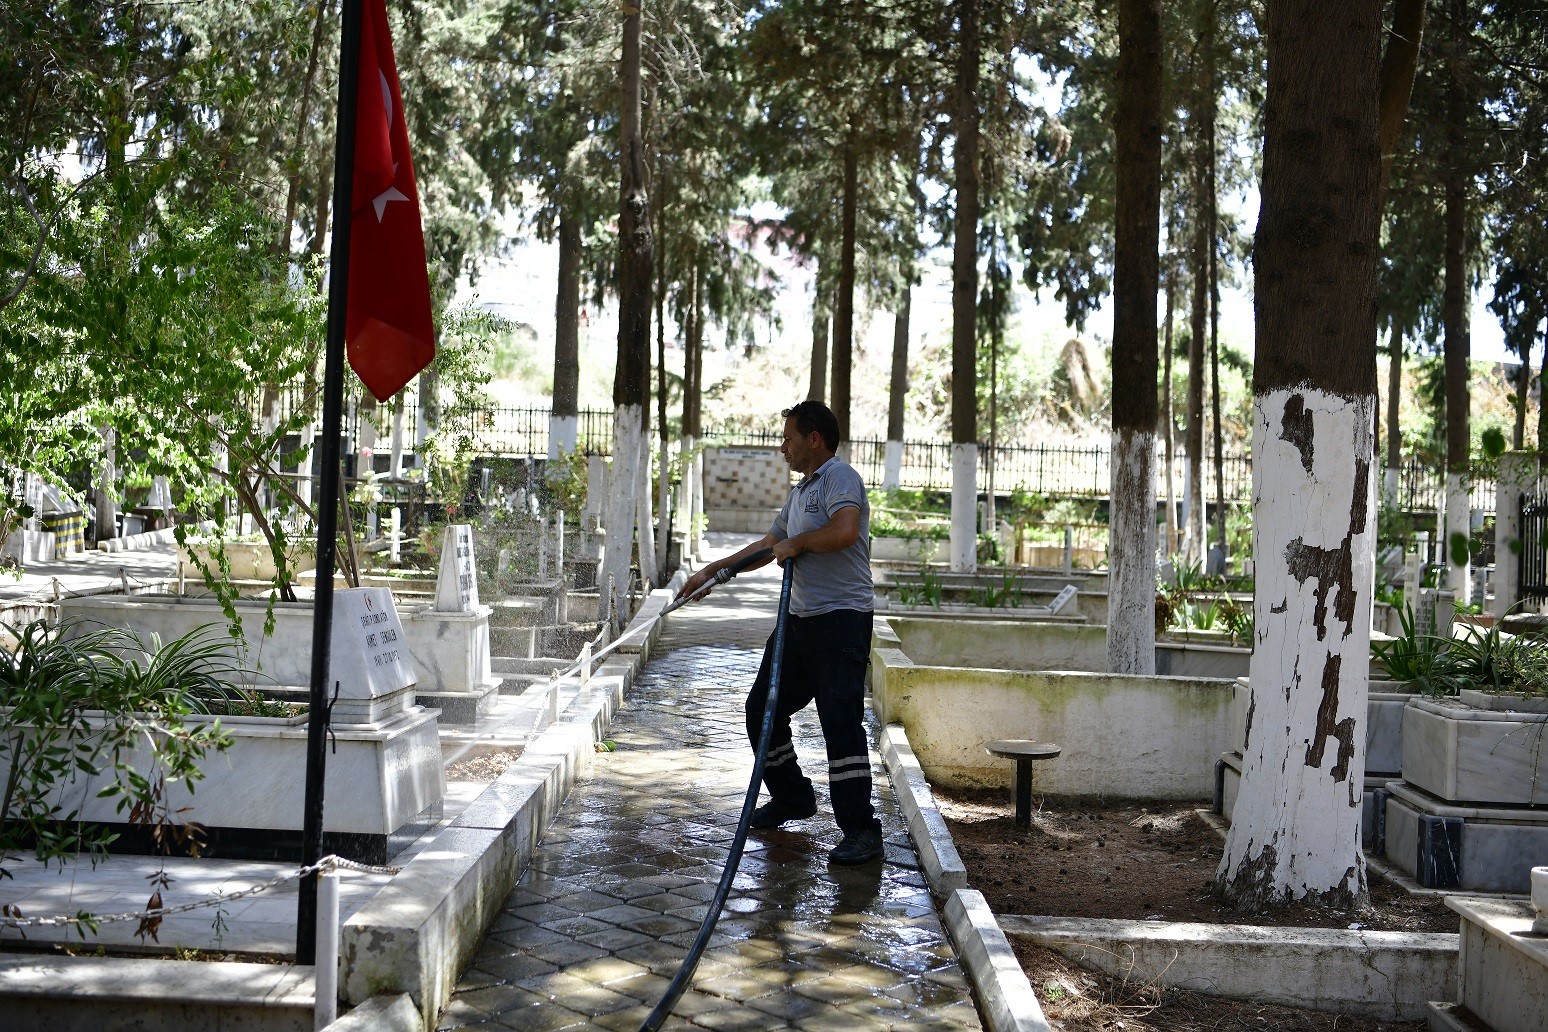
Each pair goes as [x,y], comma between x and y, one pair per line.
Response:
[328,490]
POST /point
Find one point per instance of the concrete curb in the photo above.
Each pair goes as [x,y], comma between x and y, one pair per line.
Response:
[943,866]
[138,542]
[417,934]
[381,1014]
[44,993]
[1005,997]
[1386,975]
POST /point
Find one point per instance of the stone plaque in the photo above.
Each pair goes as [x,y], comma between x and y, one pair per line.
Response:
[1065,596]
[456,590]
[370,657]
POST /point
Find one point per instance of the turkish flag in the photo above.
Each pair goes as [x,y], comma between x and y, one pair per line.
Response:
[387,323]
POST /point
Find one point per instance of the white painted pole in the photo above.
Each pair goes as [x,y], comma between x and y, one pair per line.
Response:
[326,1006]
[397,533]
[585,669]
[1069,549]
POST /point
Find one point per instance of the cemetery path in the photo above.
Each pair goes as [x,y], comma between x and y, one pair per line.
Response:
[618,886]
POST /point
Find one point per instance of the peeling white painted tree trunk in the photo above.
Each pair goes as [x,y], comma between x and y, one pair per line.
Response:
[107,505]
[892,467]
[647,524]
[618,519]
[563,432]
[1131,555]
[1194,547]
[396,468]
[696,521]
[964,508]
[664,524]
[684,518]
[1458,521]
[1295,832]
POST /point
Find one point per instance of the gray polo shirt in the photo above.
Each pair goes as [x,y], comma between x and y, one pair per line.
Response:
[825,581]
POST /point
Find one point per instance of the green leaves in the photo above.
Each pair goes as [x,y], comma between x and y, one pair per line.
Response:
[85,702]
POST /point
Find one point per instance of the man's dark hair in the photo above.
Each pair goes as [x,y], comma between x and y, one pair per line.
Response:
[812,415]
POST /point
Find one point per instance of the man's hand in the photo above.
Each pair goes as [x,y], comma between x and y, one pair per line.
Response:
[786,548]
[696,582]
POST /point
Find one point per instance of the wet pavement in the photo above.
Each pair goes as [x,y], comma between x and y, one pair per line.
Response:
[618,886]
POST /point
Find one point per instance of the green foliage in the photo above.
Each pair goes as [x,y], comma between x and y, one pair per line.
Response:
[1419,660]
[566,480]
[928,592]
[75,703]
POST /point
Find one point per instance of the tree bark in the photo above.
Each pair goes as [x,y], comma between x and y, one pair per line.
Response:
[844,308]
[1195,537]
[817,390]
[1131,584]
[1394,429]
[898,391]
[1295,831]
[1454,310]
[1397,79]
[1168,425]
[1523,385]
[631,387]
[964,297]
[564,419]
[293,173]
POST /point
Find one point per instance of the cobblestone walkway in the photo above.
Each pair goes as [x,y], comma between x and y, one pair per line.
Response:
[617,888]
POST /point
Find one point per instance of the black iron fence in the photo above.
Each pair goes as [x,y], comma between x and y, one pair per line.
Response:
[1534,546]
[1054,470]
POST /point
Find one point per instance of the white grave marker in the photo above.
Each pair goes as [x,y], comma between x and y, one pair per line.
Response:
[369,656]
[456,589]
[1065,596]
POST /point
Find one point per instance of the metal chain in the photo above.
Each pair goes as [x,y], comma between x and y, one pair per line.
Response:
[326,864]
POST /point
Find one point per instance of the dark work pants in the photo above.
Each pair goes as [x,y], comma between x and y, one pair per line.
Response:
[825,659]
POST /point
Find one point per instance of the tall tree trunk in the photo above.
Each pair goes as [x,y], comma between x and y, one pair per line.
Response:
[303,118]
[897,394]
[844,307]
[1394,474]
[1454,315]
[1131,549]
[693,376]
[1523,385]
[631,387]
[964,297]
[1169,425]
[817,390]
[664,474]
[1194,538]
[1295,831]
[1217,430]
[1398,65]
[564,418]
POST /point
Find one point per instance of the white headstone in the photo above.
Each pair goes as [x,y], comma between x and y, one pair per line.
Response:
[1065,596]
[369,657]
[456,590]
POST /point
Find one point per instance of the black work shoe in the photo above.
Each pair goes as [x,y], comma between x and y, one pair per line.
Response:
[774,813]
[858,847]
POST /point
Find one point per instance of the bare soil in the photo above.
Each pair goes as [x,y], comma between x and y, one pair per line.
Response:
[1142,862]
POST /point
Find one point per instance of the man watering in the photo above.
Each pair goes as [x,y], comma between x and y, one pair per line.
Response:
[826,521]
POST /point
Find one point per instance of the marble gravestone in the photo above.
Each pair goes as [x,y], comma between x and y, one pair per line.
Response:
[384,776]
[369,660]
[449,639]
[456,587]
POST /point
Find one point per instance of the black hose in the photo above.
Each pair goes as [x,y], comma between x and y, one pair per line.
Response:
[679,983]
